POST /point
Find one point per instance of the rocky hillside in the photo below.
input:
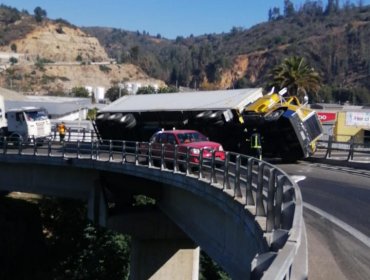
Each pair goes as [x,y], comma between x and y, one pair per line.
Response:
[52,57]
[58,43]
[334,40]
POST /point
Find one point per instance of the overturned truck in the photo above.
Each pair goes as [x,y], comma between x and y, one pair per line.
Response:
[288,130]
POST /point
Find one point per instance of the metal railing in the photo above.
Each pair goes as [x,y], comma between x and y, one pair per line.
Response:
[263,189]
[349,150]
[74,134]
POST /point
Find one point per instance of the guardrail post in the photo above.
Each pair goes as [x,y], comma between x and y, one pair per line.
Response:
[123,152]
[5,145]
[150,157]
[63,148]
[162,157]
[328,149]
[34,146]
[200,174]
[248,190]
[97,147]
[20,143]
[49,148]
[83,134]
[78,148]
[187,164]
[270,223]
[237,191]
[226,182]
[260,209]
[92,149]
[279,200]
[136,153]
[110,150]
[351,148]
[213,177]
[175,160]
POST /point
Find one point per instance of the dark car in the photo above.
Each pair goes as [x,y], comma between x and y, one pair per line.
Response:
[185,140]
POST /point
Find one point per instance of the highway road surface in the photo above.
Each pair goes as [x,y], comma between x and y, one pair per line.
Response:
[337,217]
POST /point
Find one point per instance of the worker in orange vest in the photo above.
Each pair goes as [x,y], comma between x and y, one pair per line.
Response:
[62,131]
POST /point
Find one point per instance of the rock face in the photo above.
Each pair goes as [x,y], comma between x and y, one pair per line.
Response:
[60,43]
[54,58]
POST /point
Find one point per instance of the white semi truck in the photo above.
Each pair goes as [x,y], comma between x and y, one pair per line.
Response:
[24,125]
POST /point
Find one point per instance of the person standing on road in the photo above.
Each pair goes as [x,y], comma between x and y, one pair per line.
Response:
[62,131]
[256,145]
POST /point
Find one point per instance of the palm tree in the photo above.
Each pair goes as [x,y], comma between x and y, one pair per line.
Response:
[297,76]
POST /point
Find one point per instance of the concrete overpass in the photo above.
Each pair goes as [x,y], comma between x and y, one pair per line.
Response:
[245,214]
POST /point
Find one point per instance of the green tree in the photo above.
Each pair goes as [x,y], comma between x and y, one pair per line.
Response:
[288,8]
[297,76]
[79,57]
[146,90]
[169,89]
[332,7]
[210,270]
[91,114]
[39,13]
[115,92]
[13,47]
[80,92]
[13,60]
[79,249]
[134,52]
[242,83]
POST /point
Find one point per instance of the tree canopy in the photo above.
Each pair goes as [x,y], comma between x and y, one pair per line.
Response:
[40,14]
[297,76]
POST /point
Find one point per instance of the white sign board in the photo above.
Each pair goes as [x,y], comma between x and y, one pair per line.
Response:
[358,119]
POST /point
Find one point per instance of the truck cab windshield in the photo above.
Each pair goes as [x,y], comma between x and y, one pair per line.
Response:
[36,115]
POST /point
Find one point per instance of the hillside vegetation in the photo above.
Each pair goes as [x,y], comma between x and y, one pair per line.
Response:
[334,40]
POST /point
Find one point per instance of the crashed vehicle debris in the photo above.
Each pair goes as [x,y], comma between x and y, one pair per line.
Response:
[288,129]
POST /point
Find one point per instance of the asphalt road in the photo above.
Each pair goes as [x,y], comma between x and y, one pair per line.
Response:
[343,194]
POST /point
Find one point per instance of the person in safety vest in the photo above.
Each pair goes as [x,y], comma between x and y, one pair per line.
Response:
[62,131]
[256,145]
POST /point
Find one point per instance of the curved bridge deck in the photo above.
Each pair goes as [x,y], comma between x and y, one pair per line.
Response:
[244,213]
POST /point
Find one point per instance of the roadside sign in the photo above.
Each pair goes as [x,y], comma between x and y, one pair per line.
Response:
[327,116]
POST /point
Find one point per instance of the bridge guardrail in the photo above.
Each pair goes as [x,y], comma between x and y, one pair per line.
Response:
[264,190]
[352,149]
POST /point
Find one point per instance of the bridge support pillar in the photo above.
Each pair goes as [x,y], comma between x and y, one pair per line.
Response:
[164,259]
[97,209]
[160,250]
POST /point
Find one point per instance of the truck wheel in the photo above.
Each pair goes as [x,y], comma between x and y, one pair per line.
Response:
[128,120]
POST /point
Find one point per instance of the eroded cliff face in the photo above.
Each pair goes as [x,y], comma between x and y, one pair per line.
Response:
[60,43]
[56,58]
[251,65]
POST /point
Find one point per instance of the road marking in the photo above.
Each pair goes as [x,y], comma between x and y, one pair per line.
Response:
[354,232]
[297,178]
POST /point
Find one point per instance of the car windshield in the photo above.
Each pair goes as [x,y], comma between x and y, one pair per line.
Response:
[191,137]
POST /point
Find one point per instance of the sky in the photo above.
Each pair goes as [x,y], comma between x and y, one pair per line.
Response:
[168,18]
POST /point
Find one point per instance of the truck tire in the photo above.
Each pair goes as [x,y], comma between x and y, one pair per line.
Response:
[128,120]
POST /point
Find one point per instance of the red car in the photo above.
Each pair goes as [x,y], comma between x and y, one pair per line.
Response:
[185,139]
